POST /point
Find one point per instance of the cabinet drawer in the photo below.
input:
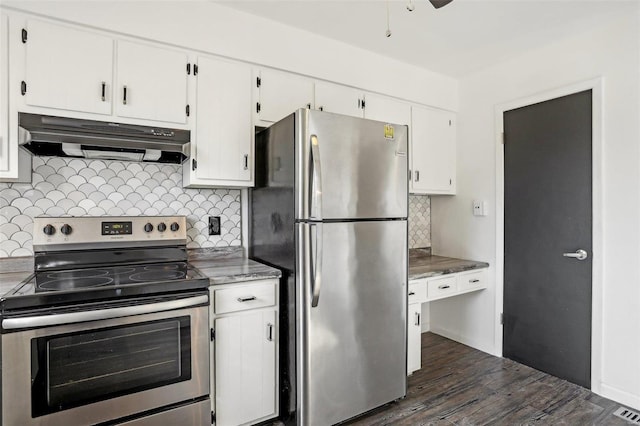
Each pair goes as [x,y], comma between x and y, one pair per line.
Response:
[472,280]
[441,287]
[244,297]
[417,292]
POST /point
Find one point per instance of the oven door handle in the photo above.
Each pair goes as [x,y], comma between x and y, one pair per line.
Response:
[102,314]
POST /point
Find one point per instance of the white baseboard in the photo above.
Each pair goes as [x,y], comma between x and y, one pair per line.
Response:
[624,398]
[463,339]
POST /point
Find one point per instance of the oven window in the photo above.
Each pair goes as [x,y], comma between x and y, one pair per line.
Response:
[76,369]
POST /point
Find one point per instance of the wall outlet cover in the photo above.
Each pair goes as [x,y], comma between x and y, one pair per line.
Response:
[214,225]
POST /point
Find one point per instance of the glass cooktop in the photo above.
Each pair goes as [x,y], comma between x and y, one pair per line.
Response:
[93,284]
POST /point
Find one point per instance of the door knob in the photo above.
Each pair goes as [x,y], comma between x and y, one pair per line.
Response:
[579,254]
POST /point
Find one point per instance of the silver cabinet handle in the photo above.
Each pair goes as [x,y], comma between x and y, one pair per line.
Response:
[579,254]
[270,332]
[124,95]
[104,91]
[246,299]
[417,173]
[445,286]
[315,198]
[246,161]
[101,314]
[411,293]
[417,318]
[474,281]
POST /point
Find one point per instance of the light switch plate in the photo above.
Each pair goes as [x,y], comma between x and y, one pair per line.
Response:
[479,208]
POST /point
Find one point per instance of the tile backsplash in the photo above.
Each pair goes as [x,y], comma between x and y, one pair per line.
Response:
[419,221]
[77,187]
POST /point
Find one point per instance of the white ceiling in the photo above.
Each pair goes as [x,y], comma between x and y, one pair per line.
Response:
[458,39]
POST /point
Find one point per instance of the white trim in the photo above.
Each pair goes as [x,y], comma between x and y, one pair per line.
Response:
[621,396]
[597,87]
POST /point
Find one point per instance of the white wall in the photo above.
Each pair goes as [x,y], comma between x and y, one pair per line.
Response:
[611,50]
[209,27]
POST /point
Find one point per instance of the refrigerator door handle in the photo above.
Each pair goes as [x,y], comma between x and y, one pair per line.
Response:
[315,207]
[316,262]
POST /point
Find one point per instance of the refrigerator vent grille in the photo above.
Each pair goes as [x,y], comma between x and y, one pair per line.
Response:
[628,415]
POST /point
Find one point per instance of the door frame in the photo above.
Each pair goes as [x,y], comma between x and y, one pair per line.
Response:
[596,86]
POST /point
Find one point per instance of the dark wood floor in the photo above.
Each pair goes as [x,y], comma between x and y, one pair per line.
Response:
[458,385]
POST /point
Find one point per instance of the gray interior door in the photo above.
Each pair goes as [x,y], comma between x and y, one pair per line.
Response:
[353,341]
[548,213]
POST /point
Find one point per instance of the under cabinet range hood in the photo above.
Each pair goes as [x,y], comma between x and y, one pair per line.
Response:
[71,137]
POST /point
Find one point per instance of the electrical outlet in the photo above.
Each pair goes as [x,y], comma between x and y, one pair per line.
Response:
[214,225]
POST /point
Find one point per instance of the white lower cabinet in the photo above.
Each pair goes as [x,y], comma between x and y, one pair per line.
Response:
[414,326]
[435,288]
[244,352]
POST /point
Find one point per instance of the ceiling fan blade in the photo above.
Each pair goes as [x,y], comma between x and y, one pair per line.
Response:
[439,3]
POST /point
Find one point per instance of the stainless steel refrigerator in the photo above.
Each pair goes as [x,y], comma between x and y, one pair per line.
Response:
[329,209]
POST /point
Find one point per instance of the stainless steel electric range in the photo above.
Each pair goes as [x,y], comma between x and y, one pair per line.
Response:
[112,328]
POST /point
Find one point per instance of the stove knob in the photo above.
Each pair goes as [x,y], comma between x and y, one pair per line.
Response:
[66,229]
[162,227]
[148,227]
[175,226]
[49,230]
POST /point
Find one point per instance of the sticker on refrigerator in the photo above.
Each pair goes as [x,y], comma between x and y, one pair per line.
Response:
[388,132]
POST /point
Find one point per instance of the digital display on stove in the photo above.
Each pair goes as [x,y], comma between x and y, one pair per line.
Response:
[116,228]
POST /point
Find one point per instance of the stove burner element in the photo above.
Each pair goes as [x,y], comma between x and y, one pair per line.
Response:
[76,274]
[170,267]
[70,284]
[157,275]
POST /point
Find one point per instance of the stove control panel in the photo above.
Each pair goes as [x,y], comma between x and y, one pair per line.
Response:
[110,231]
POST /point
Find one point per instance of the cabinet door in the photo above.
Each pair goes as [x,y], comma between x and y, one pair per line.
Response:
[386,109]
[282,93]
[245,367]
[67,68]
[339,99]
[433,151]
[7,152]
[414,326]
[151,83]
[224,132]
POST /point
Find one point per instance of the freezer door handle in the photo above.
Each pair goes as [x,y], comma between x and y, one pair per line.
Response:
[315,200]
[316,262]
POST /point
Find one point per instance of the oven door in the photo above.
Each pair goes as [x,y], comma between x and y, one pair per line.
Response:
[133,358]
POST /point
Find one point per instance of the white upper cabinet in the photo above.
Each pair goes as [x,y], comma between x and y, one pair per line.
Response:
[339,99]
[66,68]
[433,151]
[151,83]
[222,144]
[382,108]
[280,93]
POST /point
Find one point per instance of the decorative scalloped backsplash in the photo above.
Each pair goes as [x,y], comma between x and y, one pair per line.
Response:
[419,221]
[76,187]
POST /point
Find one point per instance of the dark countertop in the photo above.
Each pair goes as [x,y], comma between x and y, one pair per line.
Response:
[424,265]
